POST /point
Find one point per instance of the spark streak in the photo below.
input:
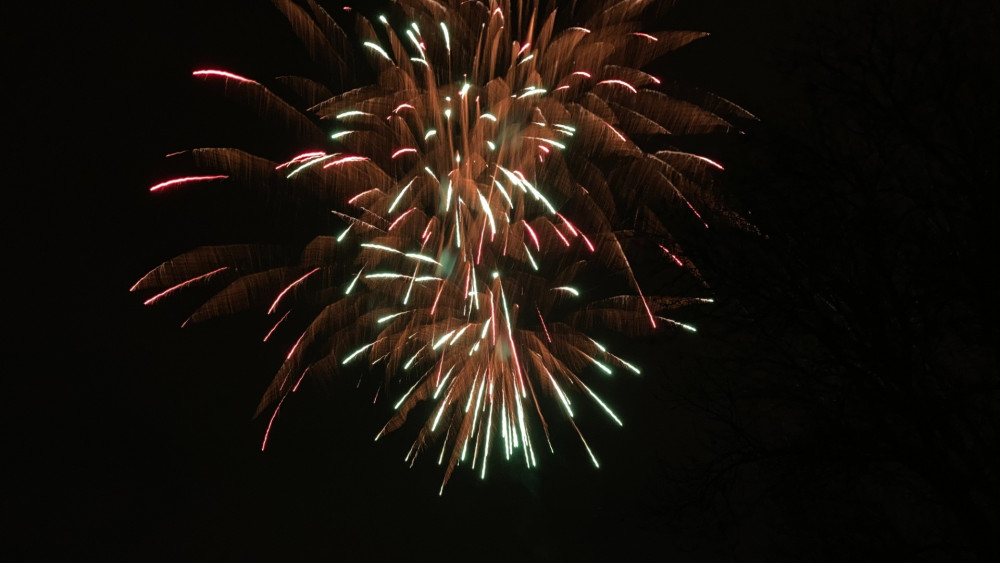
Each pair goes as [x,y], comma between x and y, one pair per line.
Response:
[185,180]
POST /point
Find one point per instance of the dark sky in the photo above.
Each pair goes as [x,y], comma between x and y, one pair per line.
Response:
[138,438]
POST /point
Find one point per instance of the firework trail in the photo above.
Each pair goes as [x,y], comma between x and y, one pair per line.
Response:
[491,165]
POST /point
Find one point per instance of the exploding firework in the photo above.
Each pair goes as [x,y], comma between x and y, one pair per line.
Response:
[493,162]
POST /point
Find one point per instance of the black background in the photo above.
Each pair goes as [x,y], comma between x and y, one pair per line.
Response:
[136,436]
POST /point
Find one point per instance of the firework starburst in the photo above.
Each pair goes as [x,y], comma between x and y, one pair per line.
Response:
[495,161]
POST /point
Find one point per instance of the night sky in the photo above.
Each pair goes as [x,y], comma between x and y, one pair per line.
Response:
[839,400]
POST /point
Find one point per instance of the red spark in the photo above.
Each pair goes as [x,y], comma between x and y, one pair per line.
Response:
[170,290]
[223,74]
[185,180]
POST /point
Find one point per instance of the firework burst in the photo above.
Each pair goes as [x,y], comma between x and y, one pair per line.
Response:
[493,163]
